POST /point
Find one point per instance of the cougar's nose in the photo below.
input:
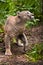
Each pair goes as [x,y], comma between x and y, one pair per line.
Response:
[30,14]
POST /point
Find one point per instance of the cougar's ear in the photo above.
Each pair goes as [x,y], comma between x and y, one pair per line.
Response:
[18,14]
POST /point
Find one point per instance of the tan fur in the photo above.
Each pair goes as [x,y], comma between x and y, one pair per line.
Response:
[14,26]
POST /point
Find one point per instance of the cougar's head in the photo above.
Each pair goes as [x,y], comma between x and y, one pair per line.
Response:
[26,15]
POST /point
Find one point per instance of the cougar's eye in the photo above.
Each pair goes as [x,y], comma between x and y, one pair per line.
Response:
[28,15]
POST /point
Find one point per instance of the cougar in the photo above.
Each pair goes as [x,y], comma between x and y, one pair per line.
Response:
[14,26]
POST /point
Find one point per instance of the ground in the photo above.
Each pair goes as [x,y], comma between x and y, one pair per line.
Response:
[18,58]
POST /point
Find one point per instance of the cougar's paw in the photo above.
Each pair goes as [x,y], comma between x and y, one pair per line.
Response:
[8,52]
[20,43]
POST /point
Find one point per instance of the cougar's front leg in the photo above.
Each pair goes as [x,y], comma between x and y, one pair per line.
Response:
[7,45]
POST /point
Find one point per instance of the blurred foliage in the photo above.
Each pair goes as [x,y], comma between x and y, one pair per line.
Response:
[31,23]
[36,52]
[10,7]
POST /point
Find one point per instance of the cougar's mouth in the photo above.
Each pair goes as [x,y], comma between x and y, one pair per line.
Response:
[32,17]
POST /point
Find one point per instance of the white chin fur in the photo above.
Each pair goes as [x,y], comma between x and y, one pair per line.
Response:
[32,17]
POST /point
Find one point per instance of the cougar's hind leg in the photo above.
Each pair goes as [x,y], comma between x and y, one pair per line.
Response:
[24,39]
[25,42]
[7,45]
[19,40]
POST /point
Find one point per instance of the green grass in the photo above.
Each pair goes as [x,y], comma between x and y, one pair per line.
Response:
[36,53]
